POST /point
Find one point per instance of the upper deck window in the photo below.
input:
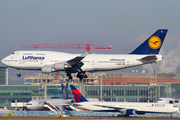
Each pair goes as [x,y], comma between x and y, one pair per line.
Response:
[40,54]
[27,54]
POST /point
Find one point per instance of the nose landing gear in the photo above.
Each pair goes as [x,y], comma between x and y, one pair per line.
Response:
[18,73]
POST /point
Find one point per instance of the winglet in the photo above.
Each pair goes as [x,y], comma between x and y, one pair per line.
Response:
[78,97]
[153,44]
[84,55]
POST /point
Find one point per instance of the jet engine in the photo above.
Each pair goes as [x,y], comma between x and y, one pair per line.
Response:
[61,66]
[47,69]
[55,67]
[130,112]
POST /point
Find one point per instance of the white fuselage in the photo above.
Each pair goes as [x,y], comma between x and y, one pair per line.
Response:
[35,60]
[39,104]
[121,106]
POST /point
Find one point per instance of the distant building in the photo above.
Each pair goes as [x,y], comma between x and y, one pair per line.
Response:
[3,76]
[139,78]
[129,87]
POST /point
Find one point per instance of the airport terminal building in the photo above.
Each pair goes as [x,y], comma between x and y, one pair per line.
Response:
[122,87]
[123,93]
[3,76]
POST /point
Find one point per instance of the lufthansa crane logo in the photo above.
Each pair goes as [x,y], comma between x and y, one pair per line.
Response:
[154,42]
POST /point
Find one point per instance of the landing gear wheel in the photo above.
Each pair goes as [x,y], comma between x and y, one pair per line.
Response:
[18,75]
[69,75]
[81,75]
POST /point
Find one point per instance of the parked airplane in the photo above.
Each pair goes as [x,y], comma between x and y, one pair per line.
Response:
[125,108]
[49,61]
[52,104]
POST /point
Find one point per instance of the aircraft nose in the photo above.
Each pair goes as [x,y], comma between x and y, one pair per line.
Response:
[2,61]
[28,106]
[5,61]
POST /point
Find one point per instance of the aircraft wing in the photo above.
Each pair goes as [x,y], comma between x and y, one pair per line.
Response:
[76,105]
[148,58]
[77,59]
[121,109]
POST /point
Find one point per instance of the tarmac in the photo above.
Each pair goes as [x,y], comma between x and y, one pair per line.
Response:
[82,118]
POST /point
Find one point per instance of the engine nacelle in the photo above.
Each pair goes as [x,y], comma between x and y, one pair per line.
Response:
[61,66]
[130,112]
[46,69]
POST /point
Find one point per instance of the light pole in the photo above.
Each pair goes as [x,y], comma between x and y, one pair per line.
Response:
[101,86]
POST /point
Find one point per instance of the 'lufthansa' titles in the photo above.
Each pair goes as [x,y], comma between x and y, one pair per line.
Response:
[117,59]
[32,58]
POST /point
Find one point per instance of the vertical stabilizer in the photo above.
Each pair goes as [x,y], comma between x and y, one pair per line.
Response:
[78,97]
[64,91]
[153,44]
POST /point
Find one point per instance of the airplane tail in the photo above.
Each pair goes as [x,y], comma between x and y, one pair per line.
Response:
[64,91]
[78,97]
[62,86]
[153,44]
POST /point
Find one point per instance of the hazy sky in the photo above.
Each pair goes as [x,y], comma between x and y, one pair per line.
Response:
[124,24]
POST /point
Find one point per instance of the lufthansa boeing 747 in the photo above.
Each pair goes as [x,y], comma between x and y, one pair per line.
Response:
[49,61]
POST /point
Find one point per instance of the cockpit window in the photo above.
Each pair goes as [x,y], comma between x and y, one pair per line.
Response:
[174,106]
[13,53]
[29,104]
[160,100]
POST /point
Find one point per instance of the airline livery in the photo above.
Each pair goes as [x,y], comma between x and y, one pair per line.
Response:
[49,61]
[124,108]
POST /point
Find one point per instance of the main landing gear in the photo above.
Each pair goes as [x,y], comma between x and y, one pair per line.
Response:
[18,73]
[80,75]
[69,75]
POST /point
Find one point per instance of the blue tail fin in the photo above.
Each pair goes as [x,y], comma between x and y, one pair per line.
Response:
[64,91]
[78,97]
[62,86]
[153,44]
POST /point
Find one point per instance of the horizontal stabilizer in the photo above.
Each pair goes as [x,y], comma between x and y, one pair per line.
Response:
[148,58]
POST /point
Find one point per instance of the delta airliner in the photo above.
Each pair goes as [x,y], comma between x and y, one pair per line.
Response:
[124,108]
